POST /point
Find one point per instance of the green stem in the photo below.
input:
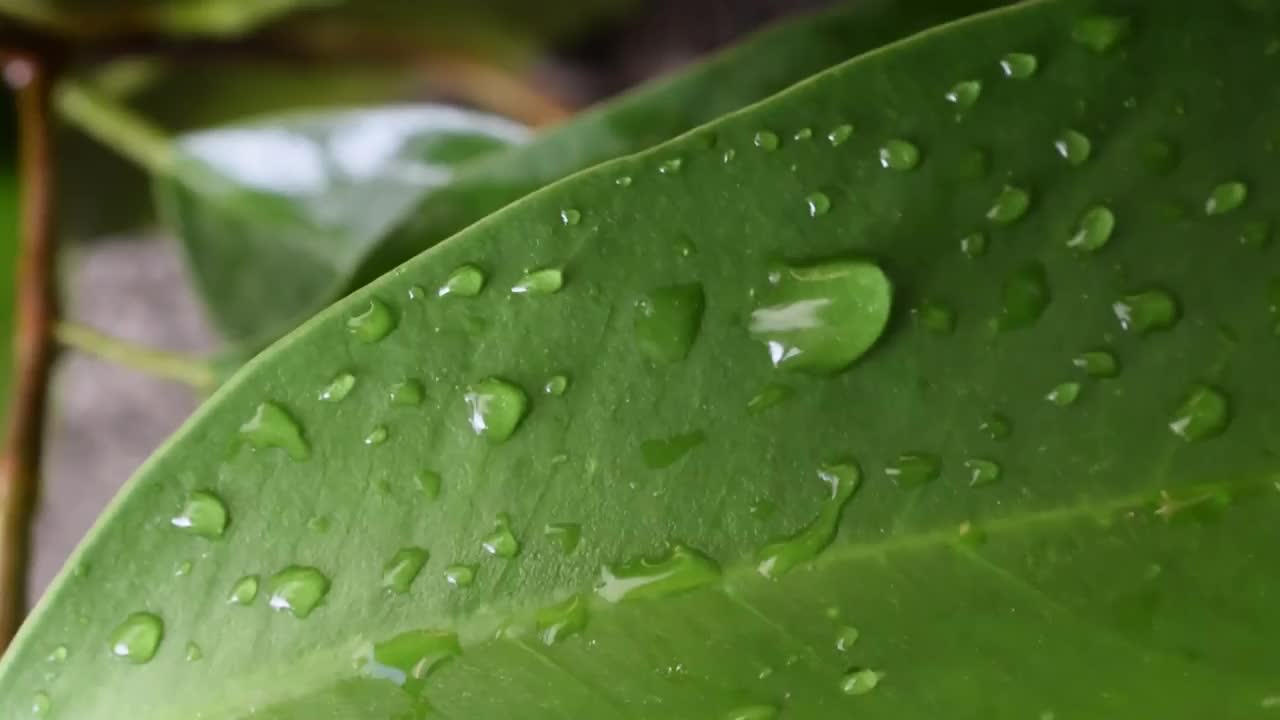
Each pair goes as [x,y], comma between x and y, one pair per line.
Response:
[158,363]
[114,125]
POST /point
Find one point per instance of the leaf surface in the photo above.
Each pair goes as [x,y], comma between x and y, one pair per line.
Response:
[821,542]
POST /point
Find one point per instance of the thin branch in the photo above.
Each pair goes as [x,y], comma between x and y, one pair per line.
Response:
[114,125]
[33,349]
[162,364]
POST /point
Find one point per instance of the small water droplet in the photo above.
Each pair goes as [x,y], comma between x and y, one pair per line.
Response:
[407,393]
[860,682]
[562,620]
[460,575]
[338,388]
[680,570]
[1074,147]
[273,427]
[495,408]
[297,590]
[194,653]
[766,140]
[1204,412]
[466,281]
[184,568]
[623,181]
[839,134]
[911,470]
[407,659]
[244,591]
[501,542]
[569,216]
[540,282]
[373,323]
[1010,205]
[1064,394]
[803,134]
[417,292]
[318,524]
[203,514]
[565,536]
[1226,197]
[728,156]
[1094,230]
[982,471]
[665,452]
[770,395]
[779,557]
[899,155]
[846,638]
[403,568]
[822,317]
[556,385]
[1019,66]
[1146,312]
[667,321]
[1256,234]
[137,638]
[41,703]
[974,244]
[964,94]
[377,436]
[752,712]
[671,166]
[1097,363]
[934,317]
[818,204]
[428,483]
[1099,33]
[996,426]
[1024,296]
[762,508]
[59,654]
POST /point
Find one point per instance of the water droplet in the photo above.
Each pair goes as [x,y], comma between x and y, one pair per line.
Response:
[1256,234]
[428,483]
[1204,412]
[563,620]
[244,591]
[403,568]
[59,654]
[540,282]
[298,590]
[729,155]
[779,557]
[466,281]
[407,659]
[1074,147]
[338,388]
[194,653]
[1097,363]
[1019,66]
[569,216]
[846,638]
[818,204]
[803,134]
[860,682]
[377,436]
[996,426]
[1146,312]
[770,395]
[681,569]
[765,140]
[1094,230]
[565,536]
[556,385]
[974,244]
[417,292]
[964,94]
[982,471]
[899,155]
[935,317]
[1226,197]
[40,703]
[204,514]
[408,393]
[822,317]
[1099,33]
[1024,296]
[137,638]
[664,452]
[839,134]
[1010,205]
[910,470]
[495,408]
[671,166]
[372,324]
[752,712]
[667,321]
[501,542]
[273,427]
[318,523]
[1064,394]
[623,181]
[762,508]
[460,575]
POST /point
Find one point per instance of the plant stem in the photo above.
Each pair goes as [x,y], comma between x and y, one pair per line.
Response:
[33,350]
[114,125]
[150,361]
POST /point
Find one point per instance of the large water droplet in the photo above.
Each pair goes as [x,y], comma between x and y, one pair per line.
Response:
[1146,312]
[899,155]
[338,388]
[1226,197]
[204,514]
[297,590]
[273,427]
[1019,66]
[860,682]
[565,536]
[428,483]
[495,408]
[766,140]
[563,620]
[137,638]
[667,321]
[964,94]
[244,591]
[407,659]
[664,452]
[1074,147]
[982,471]
[403,568]
[911,470]
[752,712]
[1097,363]
[779,557]
[540,282]
[1064,394]
[373,323]
[839,134]
[460,575]
[818,203]
[1204,412]
[846,638]
[407,393]
[501,542]
[1100,33]
[770,395]
[822,317]
[681,569]
[1094,230]
[1024,296]
[1010,205]
[466,281]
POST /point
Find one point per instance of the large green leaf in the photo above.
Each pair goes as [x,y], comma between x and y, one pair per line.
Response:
[757,68]
[1118,564]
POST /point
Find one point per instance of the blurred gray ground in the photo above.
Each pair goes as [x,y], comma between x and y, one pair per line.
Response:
[105,419]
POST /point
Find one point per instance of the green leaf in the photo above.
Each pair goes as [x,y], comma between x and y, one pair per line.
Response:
[233,288]
[1117,565]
